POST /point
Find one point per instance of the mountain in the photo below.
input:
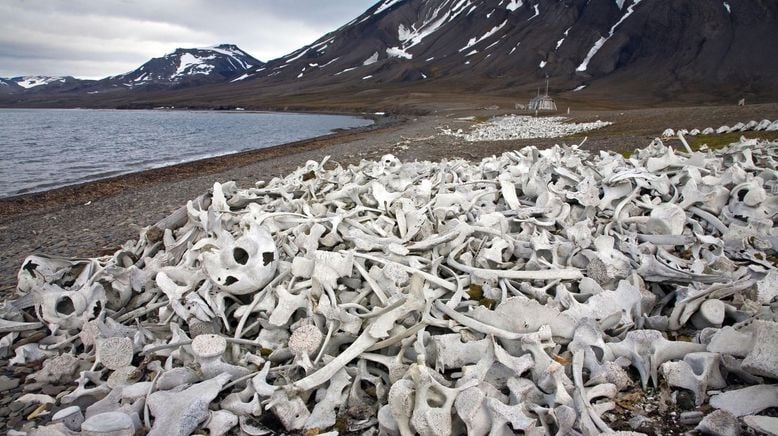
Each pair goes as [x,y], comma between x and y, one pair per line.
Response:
[634,46]
[34,83]
[8,86]
[188,66]
[632,52]
[185,67]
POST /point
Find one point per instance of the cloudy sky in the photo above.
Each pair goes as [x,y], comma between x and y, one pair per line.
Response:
[99,38]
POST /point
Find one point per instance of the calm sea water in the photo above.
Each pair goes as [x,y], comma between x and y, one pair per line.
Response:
[41,149]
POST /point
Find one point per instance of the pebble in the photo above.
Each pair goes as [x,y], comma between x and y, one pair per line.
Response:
[6,384]
[29,409]
[53,390]
[690,418]
[16,407]
[23,370]
[685,400]
[14,422]
[639,422]
[5,411]
[32,387]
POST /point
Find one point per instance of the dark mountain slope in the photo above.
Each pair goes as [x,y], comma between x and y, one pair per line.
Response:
[660,46]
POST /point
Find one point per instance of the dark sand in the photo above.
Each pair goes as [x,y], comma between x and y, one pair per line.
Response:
[96,218]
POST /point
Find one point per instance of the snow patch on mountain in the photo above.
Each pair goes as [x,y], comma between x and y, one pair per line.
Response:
[28,82]
[514,48]
[345,71]
[600,42]
[371,60]
[398,52]
[243,77]
[298,55]
[411,37]
[473,41]
[386,5]
[514,4]
[561,40]
[190,64]
[537,13]
[234,54]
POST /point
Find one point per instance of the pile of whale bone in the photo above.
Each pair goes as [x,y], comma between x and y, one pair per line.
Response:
[756,126]
[523,127]
[526,292]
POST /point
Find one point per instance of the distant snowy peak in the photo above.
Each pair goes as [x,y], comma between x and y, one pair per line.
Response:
[38,84]
[28,82]
[210,64]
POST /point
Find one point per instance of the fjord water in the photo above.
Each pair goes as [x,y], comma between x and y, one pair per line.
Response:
[41,149]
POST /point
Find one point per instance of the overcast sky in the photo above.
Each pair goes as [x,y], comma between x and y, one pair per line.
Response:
[99,38]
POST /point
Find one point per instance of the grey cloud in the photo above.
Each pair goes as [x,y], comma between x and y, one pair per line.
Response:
[88,38]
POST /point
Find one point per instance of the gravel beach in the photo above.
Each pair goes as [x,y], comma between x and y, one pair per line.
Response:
[96,218]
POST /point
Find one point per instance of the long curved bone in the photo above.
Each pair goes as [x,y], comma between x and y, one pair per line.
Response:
[378,329]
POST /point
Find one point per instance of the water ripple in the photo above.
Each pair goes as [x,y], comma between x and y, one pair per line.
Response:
[42,149]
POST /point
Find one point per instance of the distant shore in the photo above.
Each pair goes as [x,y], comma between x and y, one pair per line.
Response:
[95,218]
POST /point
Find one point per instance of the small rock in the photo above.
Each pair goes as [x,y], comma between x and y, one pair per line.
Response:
[53,390]
[84,401]
[5,411]
[638,422]
[719,423]
[690,418]
[29,409]
[14,422]
[6,383]
[32,387]
[16,406]
[685,400]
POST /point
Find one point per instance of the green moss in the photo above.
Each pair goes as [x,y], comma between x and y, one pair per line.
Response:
[341,424]
[488,303]
[476,292]
[719,141]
